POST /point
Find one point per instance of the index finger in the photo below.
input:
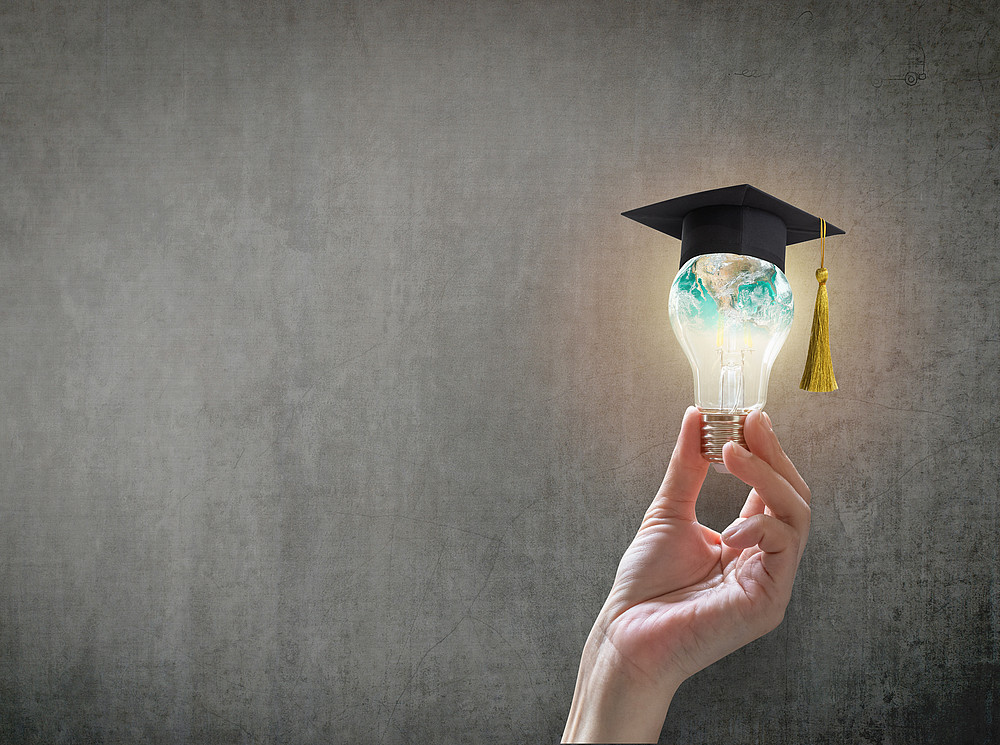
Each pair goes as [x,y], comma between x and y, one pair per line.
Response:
[763,443]
[784,500]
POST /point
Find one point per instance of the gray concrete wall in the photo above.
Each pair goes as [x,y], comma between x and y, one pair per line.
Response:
[334,385]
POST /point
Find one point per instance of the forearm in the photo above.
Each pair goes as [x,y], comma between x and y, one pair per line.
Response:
[612,702]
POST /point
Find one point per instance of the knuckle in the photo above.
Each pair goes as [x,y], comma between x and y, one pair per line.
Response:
[797,543]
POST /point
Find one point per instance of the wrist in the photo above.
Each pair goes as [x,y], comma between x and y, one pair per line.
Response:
[614,701]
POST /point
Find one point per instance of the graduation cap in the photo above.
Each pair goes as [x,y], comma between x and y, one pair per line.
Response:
[736,219]
[745,220]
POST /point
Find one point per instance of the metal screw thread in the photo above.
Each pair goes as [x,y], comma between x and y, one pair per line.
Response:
[718,428]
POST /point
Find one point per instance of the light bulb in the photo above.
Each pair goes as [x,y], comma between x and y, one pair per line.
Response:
[731,314]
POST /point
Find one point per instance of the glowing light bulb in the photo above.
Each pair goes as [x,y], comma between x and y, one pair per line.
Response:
[731,314]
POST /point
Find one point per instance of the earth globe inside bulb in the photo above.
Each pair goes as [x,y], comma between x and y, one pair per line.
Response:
[731,314]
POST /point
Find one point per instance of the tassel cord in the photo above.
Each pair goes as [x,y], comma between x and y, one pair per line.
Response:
[818,374]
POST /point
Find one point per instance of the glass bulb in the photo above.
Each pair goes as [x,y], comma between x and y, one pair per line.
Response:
[731,314]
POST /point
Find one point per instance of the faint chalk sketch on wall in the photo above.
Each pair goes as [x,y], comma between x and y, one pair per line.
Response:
[904,62]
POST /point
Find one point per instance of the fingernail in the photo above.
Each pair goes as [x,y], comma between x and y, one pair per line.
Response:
[767,421]
[734,528]
[739,450]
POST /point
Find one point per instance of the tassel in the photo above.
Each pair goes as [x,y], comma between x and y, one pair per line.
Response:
[818,375]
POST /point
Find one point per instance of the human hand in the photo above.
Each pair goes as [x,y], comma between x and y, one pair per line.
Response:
[686,596]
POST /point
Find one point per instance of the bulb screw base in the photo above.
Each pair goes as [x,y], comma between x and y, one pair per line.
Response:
[718,428]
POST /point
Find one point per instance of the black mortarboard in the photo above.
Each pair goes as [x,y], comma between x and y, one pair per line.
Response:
[737,219]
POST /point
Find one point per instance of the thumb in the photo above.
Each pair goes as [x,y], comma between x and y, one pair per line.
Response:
[678,493]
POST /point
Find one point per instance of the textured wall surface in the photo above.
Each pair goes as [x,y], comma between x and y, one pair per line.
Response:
[333,384]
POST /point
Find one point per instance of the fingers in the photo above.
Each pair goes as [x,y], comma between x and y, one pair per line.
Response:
[780,543]
[678,493]
[774,490]
[764,444]
[764,531]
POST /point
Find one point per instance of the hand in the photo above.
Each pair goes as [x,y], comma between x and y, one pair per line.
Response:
[686,596]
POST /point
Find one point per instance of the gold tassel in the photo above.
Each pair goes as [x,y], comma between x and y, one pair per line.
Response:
[818,375]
